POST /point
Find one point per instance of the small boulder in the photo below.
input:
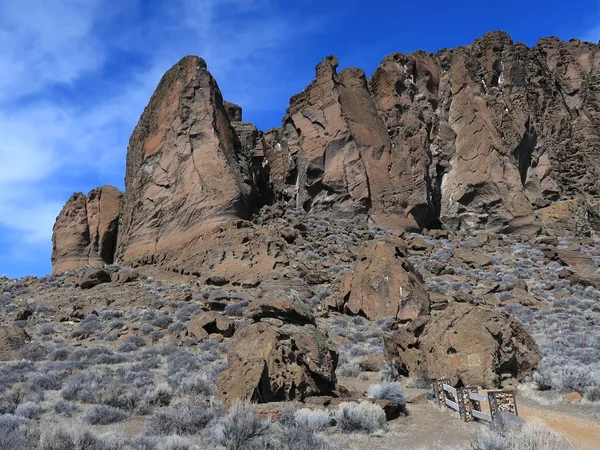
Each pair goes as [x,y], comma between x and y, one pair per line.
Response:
[203,325]
[125,275]
[473,258]
[12,339]
[372,363]
[94,277]
[572,397]
[417,244]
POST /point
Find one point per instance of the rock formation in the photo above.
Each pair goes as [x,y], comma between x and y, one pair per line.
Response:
[483,137]
[185,168]
[382,285]
[470,345]
[267,362]
[472,138]
[11,340]
[85,232]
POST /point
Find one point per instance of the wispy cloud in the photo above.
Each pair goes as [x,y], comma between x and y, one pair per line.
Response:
[76,75]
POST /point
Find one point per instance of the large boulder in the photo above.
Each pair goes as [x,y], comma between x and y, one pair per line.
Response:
[383,284]
[85,232]
[470,345]
[186,171]
[267,363]
[575,217]
[11,340]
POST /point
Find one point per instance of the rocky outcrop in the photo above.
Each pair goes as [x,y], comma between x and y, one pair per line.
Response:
[470,345]
[186,171]
[85,232]
[574,217]
[473,138]
[267,363]
[484,137]
[383,285]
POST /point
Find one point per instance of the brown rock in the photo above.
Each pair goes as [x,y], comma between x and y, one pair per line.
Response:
[568,257]
[80,309]
[578,217]
[283,308]
[268,363]
[573,397]
[417,244]
[372,363]
[383,284]
[94,277]
[125,275]
[22,314]
[234,112]
[11,340]
[85,232]
[210,323]
[473,345]
[186,174]
[583,278]
[473,258]
[195,328]
[419,399]
[334,152]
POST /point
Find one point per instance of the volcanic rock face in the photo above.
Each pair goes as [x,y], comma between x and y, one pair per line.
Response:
[85,232]
[487,137]
[186,171]
[470,345]
[473,138]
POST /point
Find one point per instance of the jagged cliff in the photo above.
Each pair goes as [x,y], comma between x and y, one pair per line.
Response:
[491,136]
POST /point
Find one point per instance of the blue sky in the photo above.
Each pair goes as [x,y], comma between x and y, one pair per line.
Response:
[76,75]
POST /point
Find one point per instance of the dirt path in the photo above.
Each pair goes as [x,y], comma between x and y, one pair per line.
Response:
[582,434]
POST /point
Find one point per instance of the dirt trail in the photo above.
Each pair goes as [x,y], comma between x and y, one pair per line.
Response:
[582,434]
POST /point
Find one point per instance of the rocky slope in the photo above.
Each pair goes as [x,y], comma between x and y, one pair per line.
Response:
[492,138]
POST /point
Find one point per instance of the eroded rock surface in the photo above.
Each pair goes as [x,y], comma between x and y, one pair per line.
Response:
[85,232]
[11,340]
[268,363]
[186,171]
[383,285]
[470,345]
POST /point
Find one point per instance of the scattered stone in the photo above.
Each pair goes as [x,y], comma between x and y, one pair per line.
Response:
[472,258]
[572,397]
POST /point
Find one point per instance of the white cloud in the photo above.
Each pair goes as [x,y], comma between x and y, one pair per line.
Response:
[592,35]
[45,41]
